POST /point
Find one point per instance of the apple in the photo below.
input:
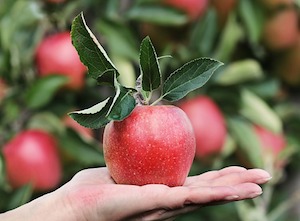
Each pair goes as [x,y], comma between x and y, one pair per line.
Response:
[193,8]
[271,143]
[208,123]
[223,9]
[87,133]
[287,66]
[280,31]
[32,157]
[154,144]
[56,55]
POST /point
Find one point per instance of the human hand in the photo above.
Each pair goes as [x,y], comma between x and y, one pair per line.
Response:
[92,195]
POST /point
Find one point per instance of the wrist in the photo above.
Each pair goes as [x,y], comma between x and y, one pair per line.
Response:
[48,207]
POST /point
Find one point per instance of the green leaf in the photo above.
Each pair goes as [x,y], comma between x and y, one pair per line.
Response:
[252,15]
[189,77]
[43,90]
[239,72]
[119,39]
[259,112]
[95,116]
[75,148]
[149,65]
[123,103]
[20,196]
[244,134]
[91,52]
[158,15]
[203,36]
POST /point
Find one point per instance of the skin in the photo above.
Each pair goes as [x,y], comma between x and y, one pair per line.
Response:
[93,196]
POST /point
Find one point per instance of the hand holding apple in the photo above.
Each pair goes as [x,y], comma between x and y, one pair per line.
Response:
[143,142]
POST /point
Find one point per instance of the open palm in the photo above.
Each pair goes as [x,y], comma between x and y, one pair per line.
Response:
[94,195]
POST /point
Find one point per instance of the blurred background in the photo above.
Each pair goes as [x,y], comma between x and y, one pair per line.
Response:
[248,114]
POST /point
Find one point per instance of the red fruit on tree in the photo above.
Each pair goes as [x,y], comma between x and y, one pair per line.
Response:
[57,55]
[281,30]
[154,144]
[208,123]
[223,9]
[270,142]
[193,8]
[32,157]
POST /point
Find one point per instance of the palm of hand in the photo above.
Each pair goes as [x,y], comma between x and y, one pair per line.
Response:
[95,196]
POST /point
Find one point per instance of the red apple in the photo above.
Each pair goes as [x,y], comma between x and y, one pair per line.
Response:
[56,55]
[281,30]
[208,123]
[154,144]
[87,133]
[32,157]
[193,8]
[287,65]
[270,142]
[223,9]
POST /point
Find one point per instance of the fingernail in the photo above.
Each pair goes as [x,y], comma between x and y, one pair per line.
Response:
[264,180]
[256,194]
[233,197]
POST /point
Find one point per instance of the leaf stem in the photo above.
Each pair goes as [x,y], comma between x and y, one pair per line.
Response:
[157,101]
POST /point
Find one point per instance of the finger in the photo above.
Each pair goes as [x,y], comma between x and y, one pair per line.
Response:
[93,176]
[214,174]
[249,176]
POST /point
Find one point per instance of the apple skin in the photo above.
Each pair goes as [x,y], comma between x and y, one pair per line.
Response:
[56,55]
[193,8]
[153,145]
[280,31]
[287,66]
[32,157]
[208,123]
[223,9]
[269,141]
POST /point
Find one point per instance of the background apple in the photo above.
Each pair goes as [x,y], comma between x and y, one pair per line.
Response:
[223,9]
[56,55]
[208,123]
[270,142]
[193,8]
[287,67]
[155,144]
[32,157]
[276,4]
[280,31]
